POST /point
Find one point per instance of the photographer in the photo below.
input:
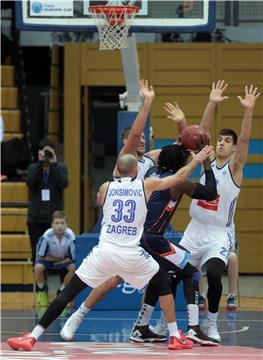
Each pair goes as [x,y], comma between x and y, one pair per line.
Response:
[46,180]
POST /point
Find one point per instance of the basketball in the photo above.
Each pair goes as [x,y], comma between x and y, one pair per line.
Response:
[192,136]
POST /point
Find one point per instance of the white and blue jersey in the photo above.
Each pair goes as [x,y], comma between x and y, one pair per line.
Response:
[118,251]
[210,232]
[219,212]
[143,166]
[124,213]
[50,245]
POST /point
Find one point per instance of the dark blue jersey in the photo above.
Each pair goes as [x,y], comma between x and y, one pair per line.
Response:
[161,206]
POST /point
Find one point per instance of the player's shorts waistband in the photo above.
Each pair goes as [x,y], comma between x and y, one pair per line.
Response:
[206,226]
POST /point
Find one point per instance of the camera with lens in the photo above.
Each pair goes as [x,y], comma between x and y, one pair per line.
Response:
[48,154]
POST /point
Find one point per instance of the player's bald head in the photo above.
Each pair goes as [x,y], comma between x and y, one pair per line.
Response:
[127,164]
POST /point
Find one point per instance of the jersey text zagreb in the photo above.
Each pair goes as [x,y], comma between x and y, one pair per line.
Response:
[121,229]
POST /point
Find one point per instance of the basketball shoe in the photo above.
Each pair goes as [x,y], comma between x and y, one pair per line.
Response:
[195,334]
[144,334]
[210,329]
[161,328]
[42,298]
[23,342]
[69,329]
[178,343]
[231,303]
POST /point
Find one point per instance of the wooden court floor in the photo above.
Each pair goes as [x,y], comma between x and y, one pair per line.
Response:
[24,300]
[105,335]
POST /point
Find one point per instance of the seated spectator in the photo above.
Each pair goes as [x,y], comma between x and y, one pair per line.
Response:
[55,251]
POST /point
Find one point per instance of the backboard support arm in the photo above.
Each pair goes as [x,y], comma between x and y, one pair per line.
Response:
[131,98]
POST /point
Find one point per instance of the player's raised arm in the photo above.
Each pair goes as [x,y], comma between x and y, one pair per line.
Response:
[240,156]
[137,128]
[176,115]
[153,184]
[215,98]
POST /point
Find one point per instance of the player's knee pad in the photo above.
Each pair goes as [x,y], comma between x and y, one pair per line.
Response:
[151,296]
[161,283]
[215,268]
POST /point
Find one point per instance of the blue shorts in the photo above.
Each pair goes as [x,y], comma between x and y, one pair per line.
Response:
[49,264]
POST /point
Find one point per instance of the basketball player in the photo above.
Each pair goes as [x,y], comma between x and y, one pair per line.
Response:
[207,236]
[170,257]
[118,252]
[133,142]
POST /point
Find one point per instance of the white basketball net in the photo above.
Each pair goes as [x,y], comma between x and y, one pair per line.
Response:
[113,23]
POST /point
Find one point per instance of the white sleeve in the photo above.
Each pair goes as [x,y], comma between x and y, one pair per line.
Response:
[42,246]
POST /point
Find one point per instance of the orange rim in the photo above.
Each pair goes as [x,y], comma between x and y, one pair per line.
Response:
[98,9]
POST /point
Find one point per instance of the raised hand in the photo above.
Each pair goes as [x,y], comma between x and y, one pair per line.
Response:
[216,94]
[251,95]
[174,112]
[202,155]
[146,90]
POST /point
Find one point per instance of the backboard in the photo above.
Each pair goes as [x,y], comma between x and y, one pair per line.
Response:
[154,15]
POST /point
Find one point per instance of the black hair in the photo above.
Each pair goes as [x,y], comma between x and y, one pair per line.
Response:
[173,157]
[229,132]
[46,142]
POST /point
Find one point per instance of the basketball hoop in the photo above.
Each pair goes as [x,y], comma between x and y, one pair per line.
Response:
[113,23]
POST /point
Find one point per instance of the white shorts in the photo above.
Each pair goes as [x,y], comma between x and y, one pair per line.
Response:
[205,241]
[135,266]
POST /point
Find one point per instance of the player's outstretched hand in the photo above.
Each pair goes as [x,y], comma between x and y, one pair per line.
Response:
[174,112]
[146,90]
[251,95]
[202,155]
[216,94]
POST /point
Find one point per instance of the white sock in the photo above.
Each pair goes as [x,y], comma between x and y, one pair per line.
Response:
[145,315]
[212,316]
[62,287]
[81,311]
[37,332]
[173,329]
[193,314]
[231,295]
